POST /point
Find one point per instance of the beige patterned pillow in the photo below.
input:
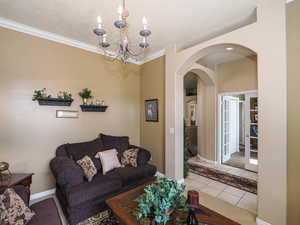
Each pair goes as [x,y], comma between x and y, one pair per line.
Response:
[130,157]
[88,167]
[13,210]
[109,160]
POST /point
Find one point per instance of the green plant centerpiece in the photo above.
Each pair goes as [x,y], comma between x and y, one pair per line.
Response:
[161,199]
[85,94]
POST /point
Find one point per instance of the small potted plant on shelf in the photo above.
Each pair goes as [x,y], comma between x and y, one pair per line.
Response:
[63,98]
[160,200]
[40,94]
[85,94]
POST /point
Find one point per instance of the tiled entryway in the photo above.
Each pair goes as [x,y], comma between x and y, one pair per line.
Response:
[222,191]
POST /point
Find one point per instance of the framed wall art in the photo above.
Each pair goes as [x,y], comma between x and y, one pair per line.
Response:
[151,110]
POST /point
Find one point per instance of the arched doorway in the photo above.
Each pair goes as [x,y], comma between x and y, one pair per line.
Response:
[205,111]
[271,69]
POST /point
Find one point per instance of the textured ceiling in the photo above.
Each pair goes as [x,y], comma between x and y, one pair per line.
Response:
[172,21]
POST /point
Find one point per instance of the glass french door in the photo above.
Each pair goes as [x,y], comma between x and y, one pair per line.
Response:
[230,126]
[251,126]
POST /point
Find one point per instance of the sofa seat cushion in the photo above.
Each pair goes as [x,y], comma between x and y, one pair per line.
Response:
[77,151]
[99,186]
[131,174]
[46,213]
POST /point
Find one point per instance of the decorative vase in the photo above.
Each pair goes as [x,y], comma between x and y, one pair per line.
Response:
[85,101]
[192,219]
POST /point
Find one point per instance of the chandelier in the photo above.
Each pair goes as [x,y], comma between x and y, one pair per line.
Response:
[124,51]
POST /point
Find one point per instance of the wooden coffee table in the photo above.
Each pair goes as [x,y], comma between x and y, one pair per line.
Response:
[124,207]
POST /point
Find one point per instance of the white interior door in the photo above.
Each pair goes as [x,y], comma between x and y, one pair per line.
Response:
[251,127]
[230,126]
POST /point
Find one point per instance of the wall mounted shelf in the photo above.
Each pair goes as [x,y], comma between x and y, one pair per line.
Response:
[55,102]
[93,108]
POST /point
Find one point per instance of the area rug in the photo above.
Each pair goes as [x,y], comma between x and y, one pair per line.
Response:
[242,183]
[103,218]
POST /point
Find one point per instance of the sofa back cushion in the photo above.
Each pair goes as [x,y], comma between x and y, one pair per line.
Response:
[120,143]
[77,151]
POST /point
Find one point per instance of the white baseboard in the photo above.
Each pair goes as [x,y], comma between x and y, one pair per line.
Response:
[206,160]
[261,222]
[42,194]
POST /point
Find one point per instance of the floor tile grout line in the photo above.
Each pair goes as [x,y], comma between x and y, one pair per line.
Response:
[240,199]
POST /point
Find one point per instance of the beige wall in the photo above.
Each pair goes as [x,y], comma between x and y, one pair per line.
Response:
[293,34]
[29,133]
[152,133]
[238,75]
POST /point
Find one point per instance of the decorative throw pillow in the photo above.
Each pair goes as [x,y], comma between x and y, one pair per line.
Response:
[109,160]
[88,167]
[13,210]
[130,157]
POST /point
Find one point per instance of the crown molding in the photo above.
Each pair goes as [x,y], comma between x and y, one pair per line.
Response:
[12,25]
[154,56]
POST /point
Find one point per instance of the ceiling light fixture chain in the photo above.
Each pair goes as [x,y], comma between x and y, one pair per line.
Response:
[125,52]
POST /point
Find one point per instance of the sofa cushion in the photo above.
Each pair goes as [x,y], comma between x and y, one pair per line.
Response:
[129,157]
[88,167]
[77,151]
[109,160]
[130,174]
[143,156]
[99,186]
[120,143]
[46,213]
[13,209]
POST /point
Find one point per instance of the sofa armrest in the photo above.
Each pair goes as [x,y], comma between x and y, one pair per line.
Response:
[66,171]
[143,156]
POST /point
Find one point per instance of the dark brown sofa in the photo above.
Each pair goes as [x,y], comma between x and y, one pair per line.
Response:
[81,199]
[46,212]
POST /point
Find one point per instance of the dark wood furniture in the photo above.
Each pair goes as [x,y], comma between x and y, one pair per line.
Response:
[123,206]
[24,179]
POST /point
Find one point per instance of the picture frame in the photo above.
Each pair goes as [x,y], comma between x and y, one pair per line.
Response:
[151,110]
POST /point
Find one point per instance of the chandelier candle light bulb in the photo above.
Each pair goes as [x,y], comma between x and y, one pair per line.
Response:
[99,19]
[145,23]
[120,12]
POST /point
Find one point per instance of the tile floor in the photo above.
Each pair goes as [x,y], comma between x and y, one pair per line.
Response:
[232,195]
[229,169]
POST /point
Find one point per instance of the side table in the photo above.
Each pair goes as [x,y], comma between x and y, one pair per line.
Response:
[24,179]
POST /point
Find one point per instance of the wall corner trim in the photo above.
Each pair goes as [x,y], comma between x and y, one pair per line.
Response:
[42,194]
[154,56]
[261,222]
[12,25]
